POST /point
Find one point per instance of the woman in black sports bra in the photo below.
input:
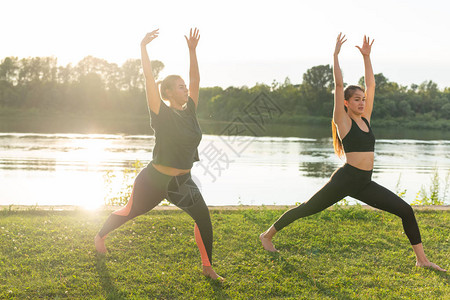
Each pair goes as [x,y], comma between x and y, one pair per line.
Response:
[354,139]
[177,136]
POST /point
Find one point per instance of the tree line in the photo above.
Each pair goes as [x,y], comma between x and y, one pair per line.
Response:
[95,86]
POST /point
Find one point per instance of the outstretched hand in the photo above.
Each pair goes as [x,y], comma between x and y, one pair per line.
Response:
[366,47]
[192,41]
[150,37]
[339,41]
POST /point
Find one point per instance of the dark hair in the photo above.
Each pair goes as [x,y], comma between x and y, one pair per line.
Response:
[350,91]
[337,143]
[167,84]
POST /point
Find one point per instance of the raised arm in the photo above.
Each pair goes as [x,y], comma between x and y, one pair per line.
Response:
[151,88]
[368,77]
[194,73]
[340,117]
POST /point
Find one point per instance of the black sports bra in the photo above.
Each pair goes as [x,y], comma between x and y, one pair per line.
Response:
[357,140]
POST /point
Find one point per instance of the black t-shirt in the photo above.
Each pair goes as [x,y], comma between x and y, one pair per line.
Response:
[177,135]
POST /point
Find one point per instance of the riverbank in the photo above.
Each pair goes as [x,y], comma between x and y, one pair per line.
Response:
[173,207]
[350,253]
[20,121]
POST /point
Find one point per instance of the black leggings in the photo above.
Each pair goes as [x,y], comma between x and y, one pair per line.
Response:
[350,181]
[150,188]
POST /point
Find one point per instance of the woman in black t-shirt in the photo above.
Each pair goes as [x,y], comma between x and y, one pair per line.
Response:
[177,136]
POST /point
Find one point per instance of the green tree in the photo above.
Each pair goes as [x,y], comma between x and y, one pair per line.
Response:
[9,69]
[157,67]
[37,69]
[317,89]
[132,75]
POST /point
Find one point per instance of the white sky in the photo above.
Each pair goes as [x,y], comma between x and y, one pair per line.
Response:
[242,42]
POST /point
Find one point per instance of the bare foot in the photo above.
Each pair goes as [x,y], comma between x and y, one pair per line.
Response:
[100,244]
[431,265]
[209,272]
[267,243]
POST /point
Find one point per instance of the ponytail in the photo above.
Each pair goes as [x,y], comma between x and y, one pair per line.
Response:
[337,144]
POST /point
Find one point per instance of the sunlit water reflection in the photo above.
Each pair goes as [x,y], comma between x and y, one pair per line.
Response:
[69,169]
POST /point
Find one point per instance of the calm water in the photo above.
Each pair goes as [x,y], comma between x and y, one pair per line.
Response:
[68,169]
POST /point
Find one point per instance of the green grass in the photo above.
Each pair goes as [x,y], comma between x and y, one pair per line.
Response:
[337,254]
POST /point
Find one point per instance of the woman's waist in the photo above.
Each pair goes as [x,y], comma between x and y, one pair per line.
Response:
[171,171]
[360,160]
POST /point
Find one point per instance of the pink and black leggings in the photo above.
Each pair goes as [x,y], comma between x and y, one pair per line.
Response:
[150,188]
[350,181]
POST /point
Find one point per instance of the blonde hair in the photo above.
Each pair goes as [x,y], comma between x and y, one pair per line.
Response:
[337,144]
[167,84]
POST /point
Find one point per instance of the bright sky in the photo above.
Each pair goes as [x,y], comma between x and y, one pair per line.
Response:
[242,42]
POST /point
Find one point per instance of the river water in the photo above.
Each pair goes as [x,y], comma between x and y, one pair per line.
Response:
[69,169]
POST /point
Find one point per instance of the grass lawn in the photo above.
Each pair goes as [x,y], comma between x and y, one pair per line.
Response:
[349,253]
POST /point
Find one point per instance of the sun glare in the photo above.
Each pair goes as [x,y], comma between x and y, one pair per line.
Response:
[88,154]
[91,206]
[92,150]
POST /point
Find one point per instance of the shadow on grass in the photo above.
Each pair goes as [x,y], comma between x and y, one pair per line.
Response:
[441,274]
[289,268]
[218,289]
[106,281]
